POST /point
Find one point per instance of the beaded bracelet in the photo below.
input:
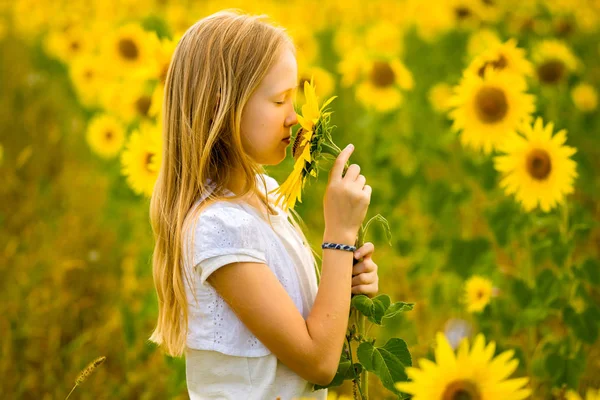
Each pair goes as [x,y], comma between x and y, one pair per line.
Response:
[336,246]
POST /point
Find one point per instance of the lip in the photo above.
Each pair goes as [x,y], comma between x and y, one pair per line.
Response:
[287,139]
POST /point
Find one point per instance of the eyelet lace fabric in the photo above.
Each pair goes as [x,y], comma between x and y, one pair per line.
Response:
[225,233]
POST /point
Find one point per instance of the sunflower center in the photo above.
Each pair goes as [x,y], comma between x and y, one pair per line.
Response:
[479,294]
[108,135]
[163,73]
[128,49]
[297,149]
[491,104]
[498,64]
[461,390]
[301,83]
[551,71]
[89,74]
[539,164]
[382,74]
[462,13]
[142,105]
[74,45]
[148,161]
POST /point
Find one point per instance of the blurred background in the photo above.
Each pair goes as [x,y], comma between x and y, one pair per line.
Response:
[486,237]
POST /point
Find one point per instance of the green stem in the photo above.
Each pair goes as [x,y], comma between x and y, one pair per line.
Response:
[360,324]
[530,279]
[354,381]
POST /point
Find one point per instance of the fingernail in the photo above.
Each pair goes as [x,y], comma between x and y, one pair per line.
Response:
[357,255]
[350,146]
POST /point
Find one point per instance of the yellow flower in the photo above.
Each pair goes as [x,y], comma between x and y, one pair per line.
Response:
[131,51]
[478,292]
[585,97]
[537,168]
[592,394]
[141,159]
[383,83]
[105,136]
[439,97]
[68,43]
[89,77]
[554,60]
[324,83]
[473,374]
[487,109]
[312,139]
[480,41]
[156,100]
[506,57]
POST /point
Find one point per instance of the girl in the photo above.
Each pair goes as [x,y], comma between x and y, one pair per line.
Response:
[236,283]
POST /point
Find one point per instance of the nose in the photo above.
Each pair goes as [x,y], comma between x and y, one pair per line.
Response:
[291,119]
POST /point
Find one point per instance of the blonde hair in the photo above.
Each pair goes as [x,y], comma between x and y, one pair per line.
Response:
[217,65]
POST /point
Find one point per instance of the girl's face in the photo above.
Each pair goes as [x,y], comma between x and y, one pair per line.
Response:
[269,114]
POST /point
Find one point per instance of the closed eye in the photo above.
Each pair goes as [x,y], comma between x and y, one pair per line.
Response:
[280,102]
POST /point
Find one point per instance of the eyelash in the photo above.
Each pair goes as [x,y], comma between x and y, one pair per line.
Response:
[280,102]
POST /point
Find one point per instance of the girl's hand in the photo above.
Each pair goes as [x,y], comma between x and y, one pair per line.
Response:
[364,274]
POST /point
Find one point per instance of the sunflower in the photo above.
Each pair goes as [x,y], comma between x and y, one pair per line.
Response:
[383,83]
[323,82]
[487,109]
[478,292]
[88,77]
[105,136]
[537,168]
[554,60]
[68,43]
[470,374]
[141,159]
[505,57]
[131,50]
[591,394]
[312,139]
[480,41]
[585,97]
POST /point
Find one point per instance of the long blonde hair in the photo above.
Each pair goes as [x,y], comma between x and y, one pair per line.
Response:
[217,65]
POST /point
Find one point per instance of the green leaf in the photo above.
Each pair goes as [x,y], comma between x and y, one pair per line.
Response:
[341,374]
[591,270]
[388,362]
[522,292]
[500,220]
[363,304]
[379,307]
[384,223]
[584,326]
[547,286]
[465,254]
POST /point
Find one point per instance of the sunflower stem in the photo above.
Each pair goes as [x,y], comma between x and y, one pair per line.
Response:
[360,324]
[530,279]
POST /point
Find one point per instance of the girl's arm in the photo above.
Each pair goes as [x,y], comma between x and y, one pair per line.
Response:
[311,348]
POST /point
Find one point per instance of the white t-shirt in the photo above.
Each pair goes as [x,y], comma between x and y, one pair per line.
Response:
[224,360]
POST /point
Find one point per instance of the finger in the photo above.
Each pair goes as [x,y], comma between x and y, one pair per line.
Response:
[368,290]
[340,162]
[361,181]
[359,268]
[366,278]
[367,189]
[364,266]
[367,248]
[352,173]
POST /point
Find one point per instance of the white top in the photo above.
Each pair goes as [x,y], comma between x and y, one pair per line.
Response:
[224,359]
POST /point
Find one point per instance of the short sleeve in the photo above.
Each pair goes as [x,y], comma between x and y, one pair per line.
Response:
[224,235]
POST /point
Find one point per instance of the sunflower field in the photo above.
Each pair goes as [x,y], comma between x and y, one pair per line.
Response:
[476,122]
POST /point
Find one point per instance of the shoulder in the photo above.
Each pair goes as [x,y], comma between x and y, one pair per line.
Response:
[271,182]
[224,214]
